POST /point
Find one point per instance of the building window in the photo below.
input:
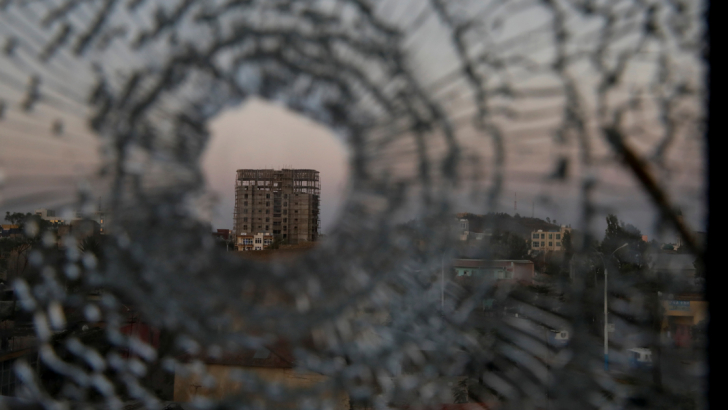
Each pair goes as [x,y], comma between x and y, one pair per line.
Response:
[285,196]
[285,219]
[543,236]
[285,228]
[267,196]
[551,244]
[246,196]
[535,236]
[245,211]
[267,211]
[296,211]
[245,227]
[245,219]
[543,243]
[267,204]
[558,236]
[245,203]
[285,212]
[267,219]
[535,244]
[558,243]
[266,227]
[285,204]
[551,236]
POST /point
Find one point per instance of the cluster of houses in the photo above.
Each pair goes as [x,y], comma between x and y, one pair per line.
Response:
[275,361]
[683,313]
[81,225]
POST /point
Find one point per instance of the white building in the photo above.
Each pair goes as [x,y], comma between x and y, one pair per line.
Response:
[465,234]
[48,215]
[262,240]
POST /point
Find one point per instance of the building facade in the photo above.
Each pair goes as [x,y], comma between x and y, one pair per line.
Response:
[283,203]
[48,215]
[98,216]
[550,240]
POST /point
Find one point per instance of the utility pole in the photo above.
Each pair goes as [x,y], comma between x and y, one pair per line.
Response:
[571,268]
[548,366]
[442,284]
[606,323]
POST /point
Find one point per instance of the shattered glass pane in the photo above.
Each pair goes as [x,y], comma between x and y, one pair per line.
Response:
[429,292]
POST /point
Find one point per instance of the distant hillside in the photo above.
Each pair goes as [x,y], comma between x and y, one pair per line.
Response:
[519,225]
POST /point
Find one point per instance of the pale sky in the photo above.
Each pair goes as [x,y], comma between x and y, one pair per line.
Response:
[40,168]
[259,134]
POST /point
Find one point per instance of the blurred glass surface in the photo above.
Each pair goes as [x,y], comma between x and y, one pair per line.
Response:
[476,132]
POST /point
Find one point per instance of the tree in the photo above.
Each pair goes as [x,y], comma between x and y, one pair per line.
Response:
[16,218]
[567,245]
[631,259]
[21,220]
[507,245]
[460,391]
[277,242]
[90,245]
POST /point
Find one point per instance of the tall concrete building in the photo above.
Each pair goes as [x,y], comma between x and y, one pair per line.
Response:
[284,203]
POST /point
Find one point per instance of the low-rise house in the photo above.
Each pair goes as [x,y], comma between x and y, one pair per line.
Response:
[682,313]
[262,240]
[48,215]
[512,270]
[549,240]
[253,242]
[9,231]
[468,232]
[685,310]
[244,241]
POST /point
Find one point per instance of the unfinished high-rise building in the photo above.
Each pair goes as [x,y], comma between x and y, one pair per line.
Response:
[284,203]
